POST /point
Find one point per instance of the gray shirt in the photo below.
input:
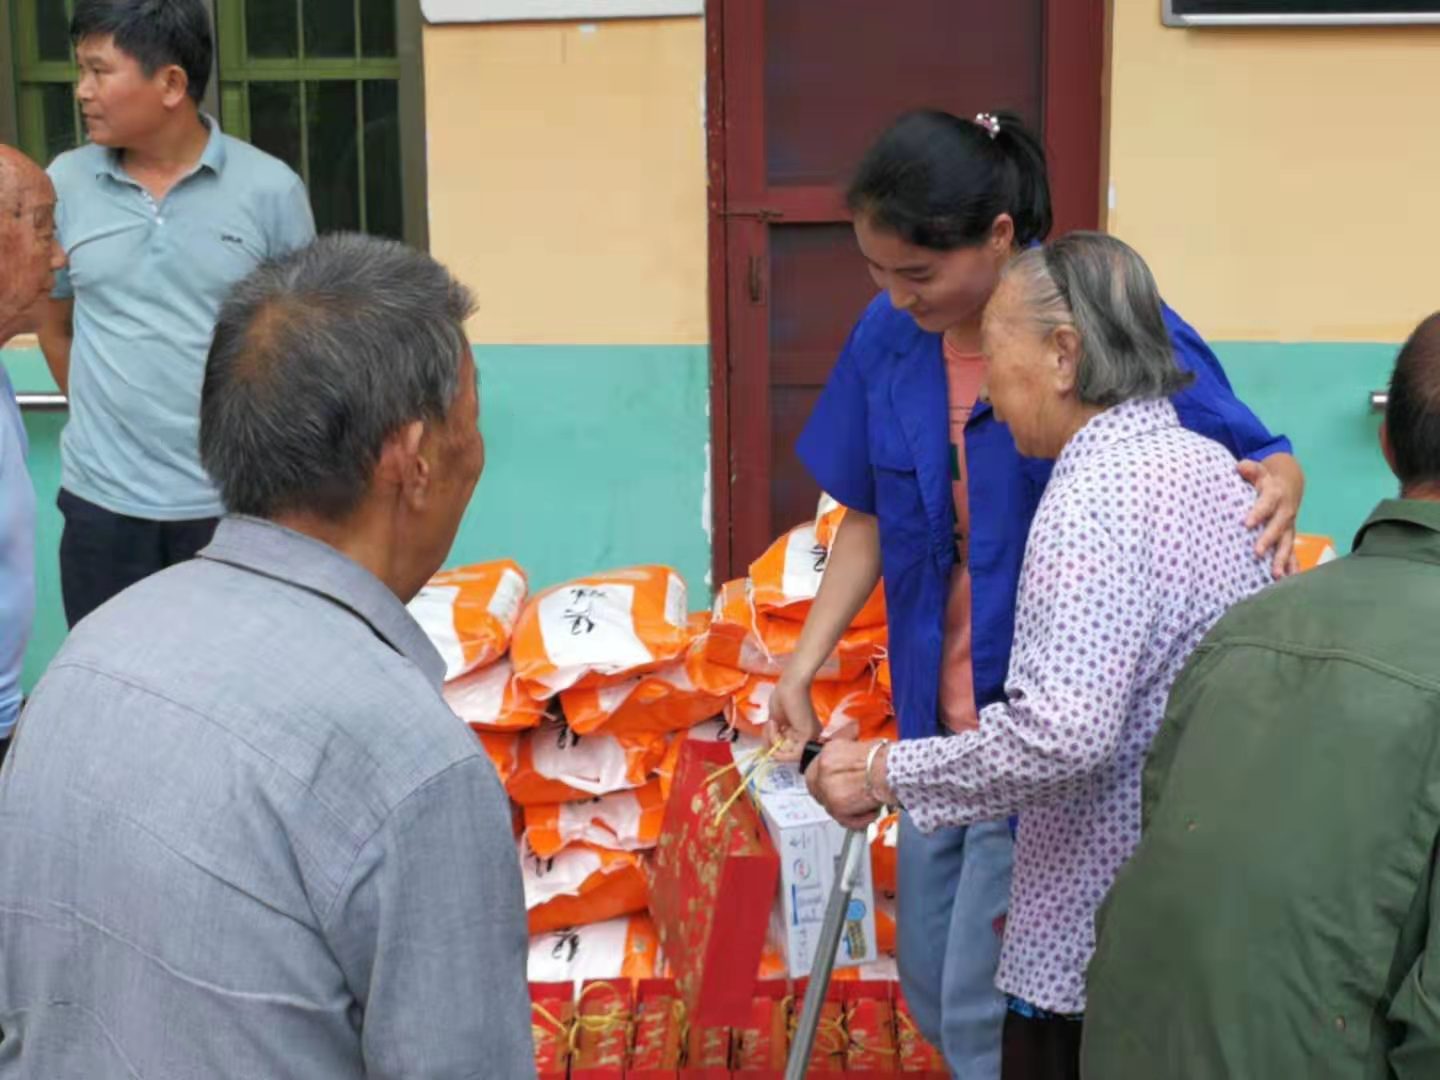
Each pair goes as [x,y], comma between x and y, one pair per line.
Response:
[241,835]
[148,279]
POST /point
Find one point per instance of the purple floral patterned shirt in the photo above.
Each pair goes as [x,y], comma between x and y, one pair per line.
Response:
[1137,548]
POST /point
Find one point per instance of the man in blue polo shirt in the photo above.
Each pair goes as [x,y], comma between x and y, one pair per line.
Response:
[160,214]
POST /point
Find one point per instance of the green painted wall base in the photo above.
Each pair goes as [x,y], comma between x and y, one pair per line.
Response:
[598,455]
[1319,395]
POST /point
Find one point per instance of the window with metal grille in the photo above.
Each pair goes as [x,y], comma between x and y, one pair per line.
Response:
[331,87]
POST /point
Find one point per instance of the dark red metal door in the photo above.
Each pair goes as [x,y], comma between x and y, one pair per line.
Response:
[797,91]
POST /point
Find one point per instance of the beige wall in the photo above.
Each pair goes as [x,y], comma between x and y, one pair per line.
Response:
[1284,184]
[567,177]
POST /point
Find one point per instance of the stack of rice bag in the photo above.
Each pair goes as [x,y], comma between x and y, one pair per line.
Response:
[582,695]
[757,623]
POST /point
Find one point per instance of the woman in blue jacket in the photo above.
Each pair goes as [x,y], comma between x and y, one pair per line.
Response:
[940,503]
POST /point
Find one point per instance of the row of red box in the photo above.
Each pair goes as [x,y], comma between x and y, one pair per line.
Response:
[615,1029]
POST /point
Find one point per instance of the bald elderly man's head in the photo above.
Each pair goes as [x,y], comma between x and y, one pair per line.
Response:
[29,253]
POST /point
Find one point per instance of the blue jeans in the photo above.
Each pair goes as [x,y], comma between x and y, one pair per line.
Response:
[953,885]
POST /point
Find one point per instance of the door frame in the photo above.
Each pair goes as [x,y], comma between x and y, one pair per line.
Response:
[1074,62]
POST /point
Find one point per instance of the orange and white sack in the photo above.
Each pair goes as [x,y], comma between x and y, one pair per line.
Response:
[859,648]
[554,764]
[469,613]
[490,699]
[717,730]
[503,749]
[623,948]
[659,701]
[828,515]
[1312,550]
[885,926]
[599,629]
[884,838]
[856,710]
[773,964]
[786,579]
[622,821]
[579,885]
[742,638]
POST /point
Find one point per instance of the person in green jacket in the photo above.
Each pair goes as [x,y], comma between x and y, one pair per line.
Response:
[1281,916]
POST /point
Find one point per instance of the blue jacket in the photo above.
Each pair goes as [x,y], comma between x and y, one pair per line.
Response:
[879,442]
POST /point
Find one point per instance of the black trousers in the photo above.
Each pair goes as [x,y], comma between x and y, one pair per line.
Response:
[1040,1049]
[103,553]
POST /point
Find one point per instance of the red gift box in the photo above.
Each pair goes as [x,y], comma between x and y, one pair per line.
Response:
[715,875]
[761,1044]
[827,1054]
[870,1027]
[659,1028]
[707,1055]
[602,1030]
[552,1011]
[918,1059]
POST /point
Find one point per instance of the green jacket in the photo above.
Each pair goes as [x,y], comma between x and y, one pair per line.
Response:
[1280,919]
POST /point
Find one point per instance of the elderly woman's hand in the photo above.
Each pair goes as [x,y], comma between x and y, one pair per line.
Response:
[1279,485]
[836,779]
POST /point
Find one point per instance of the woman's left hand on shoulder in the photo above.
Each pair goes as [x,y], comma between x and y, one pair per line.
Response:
[1279,484]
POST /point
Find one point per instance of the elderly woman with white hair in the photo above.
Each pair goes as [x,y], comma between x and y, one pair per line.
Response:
[1138,547]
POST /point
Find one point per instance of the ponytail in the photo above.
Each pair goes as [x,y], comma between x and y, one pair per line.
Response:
[940,181]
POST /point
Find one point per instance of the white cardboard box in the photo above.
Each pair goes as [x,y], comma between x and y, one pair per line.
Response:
[809,841]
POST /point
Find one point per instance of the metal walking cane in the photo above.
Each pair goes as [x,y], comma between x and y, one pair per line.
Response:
[851,852]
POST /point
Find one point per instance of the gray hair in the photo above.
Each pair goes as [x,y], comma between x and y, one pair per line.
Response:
[318,358]
[1101,287]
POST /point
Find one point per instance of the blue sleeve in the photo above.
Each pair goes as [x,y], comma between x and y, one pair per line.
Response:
[835,445]
[1209,406]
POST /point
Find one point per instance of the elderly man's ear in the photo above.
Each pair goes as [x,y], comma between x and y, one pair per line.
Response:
[403,465]
[1066,359]
[1386,448]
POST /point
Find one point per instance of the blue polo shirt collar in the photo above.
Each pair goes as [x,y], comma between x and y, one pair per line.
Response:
[212,157]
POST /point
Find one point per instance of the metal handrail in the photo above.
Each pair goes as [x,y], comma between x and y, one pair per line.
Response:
[1379,399]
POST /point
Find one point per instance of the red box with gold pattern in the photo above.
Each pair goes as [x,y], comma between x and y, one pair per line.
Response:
[552,1011]
[707,1056]
[602,1038]
[870,1027]
[918,1059]
[760,1045]
[827,1055]
[657,1044]
[714,879]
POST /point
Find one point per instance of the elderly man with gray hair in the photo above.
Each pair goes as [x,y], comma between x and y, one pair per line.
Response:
[1137,548]
[29,259]
[241,834]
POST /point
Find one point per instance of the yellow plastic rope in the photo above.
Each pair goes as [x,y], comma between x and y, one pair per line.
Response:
[835,1029]
[858,1045]
[837,1040]
[603,1023]
[755,768]
[565,1031]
